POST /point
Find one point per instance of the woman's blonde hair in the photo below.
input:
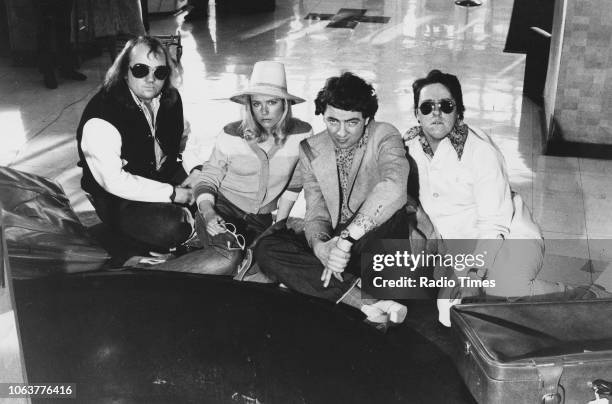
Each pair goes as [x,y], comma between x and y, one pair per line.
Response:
[252,130]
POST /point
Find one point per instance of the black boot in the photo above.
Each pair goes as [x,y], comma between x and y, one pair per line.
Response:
[196,14]
[72,74]
[50,79]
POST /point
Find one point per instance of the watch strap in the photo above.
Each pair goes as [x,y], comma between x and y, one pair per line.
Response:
[345,235]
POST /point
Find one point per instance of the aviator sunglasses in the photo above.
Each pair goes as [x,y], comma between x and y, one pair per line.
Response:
[447,106]
[140,70]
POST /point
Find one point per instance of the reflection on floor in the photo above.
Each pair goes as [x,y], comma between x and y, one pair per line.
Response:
[570,197]
[348,18]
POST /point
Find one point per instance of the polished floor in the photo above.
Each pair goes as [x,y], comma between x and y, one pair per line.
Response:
[570,197]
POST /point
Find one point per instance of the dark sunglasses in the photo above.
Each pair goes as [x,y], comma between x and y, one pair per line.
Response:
[140,70]
[447,106]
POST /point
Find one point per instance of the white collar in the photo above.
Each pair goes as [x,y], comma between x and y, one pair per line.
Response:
[154,102]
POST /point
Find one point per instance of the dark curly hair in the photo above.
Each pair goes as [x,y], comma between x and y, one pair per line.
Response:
[450,81]
[347,92]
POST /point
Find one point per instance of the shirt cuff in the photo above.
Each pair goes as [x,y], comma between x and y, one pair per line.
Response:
[205,197]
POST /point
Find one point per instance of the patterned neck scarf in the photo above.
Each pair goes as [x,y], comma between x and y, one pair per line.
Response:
[457,138]
[344,161]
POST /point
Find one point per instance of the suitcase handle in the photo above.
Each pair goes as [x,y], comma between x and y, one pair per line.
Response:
[550,374]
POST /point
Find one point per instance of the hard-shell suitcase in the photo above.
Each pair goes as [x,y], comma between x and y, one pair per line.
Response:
[534,352]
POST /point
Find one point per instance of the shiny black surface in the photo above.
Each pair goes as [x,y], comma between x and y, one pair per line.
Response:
[158,337]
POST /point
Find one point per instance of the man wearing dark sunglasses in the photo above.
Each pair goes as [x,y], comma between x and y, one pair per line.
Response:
[129,141]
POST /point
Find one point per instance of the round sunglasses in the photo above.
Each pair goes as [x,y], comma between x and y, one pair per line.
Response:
[140,70]
[447,106]
[231,229]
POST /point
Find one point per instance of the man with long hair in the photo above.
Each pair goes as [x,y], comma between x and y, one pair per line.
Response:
[129,143]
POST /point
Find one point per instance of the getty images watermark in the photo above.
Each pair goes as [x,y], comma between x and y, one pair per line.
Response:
[411,262]
[391,270]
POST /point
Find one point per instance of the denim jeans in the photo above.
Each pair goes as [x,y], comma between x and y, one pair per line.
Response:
[220,254]
[249,225]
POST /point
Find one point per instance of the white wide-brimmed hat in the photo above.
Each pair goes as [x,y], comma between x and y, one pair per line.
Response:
[268,78]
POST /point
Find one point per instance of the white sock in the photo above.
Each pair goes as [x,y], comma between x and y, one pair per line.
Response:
[397,312]
[444,306]
[371,312]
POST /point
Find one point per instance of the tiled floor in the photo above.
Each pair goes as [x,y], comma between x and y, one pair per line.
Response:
[570,197]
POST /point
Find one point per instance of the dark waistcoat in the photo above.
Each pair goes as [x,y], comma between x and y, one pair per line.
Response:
[137,143]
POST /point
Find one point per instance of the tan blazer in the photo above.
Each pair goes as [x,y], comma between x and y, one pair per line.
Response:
[377,180]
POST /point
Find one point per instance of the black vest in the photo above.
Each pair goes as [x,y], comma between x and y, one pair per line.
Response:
[137,143]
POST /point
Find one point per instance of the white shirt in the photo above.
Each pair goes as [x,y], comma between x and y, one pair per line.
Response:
[101,145]
[150,110]
[465,198]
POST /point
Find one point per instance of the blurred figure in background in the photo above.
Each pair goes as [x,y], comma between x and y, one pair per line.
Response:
[198,12]
[54,48]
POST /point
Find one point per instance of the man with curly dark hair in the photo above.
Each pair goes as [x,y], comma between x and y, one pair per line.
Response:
[355,177]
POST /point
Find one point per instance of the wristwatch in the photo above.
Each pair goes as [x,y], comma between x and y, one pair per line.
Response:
[346,235]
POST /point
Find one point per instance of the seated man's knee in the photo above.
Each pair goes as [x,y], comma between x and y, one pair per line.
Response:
[261,252]
[180,223]
[516,266]
[164,228]
[273,252]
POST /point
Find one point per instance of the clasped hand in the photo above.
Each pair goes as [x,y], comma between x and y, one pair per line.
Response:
[192,179]
[214,223]
[333,258]
[183,196]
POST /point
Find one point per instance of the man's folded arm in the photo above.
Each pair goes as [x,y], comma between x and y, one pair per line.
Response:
[101,145]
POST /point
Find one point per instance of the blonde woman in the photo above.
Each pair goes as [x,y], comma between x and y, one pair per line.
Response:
[250,172]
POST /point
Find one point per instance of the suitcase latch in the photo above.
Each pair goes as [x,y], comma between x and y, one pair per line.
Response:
[467,348]
[552,398]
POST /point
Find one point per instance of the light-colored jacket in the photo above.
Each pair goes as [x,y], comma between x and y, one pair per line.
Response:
[377,180]
[248,177]
[465,198]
